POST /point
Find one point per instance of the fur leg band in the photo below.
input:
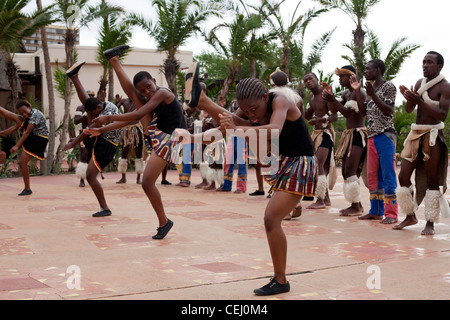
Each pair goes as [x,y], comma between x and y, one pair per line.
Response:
[321,189]
[405,199]
[204,167]
[432,206]
[139,166]
[123,165]
[352,190]
[80,172]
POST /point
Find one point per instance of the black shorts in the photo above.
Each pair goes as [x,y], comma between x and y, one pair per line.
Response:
[326,142]
[357,139]
[35,146]
[101,151]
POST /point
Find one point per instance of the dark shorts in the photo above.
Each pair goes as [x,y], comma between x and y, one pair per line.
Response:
[357,139]
[35,146]
[101,151]
[326,142]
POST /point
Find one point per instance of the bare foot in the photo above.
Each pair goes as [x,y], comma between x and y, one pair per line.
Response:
[327,200]
[319,204]
[81,185]
[201,185]
[410,220]
[297,212]
[355,210]
[210,187]
[182,184]
[389,220]
[429,229]
[370,217]
[238,191]
[121,181]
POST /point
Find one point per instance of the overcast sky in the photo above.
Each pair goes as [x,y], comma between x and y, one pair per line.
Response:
[425,23]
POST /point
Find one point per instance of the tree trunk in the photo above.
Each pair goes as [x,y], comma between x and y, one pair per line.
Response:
[51,98]
[12,76]
[11,73]
[227,84]
[252,67]
[103,84]
[69,46]
[171,67]
[358,43]
[111,95]
[285,60]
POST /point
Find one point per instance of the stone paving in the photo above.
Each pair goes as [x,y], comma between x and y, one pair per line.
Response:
[51,248]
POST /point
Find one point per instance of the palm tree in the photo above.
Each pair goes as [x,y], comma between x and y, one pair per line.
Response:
[176,22]
[112,33]
[271,13]
[301,63]
[74,14]
[372,50]
[358,11]
[51,95]
[242,45]
[14,27]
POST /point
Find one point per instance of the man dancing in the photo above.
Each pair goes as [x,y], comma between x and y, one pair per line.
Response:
[352,147]
[132,142]
[425,150]
[323,136]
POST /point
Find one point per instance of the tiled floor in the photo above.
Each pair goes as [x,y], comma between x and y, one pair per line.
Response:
[52,248]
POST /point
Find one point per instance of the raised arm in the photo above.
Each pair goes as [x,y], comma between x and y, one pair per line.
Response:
[360,97]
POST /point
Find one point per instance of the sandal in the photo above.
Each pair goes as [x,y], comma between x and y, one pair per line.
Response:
[192,86]
[102,213]
[273,287]
[163,231]
[115,52]
[73,70]
[25,192]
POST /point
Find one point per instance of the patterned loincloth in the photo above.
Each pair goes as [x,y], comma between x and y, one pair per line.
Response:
[131,136]
[296,175]
[346,142]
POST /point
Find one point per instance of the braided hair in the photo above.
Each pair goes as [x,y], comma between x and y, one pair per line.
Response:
[250,88]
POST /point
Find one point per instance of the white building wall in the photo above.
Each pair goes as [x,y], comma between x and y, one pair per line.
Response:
[149,60]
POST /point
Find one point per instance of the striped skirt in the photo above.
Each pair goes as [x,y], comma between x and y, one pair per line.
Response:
[296,175]
[163,145]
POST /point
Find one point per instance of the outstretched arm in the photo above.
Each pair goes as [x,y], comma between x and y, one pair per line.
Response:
[12,117]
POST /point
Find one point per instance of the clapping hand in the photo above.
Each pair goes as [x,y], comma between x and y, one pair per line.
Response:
[411,95]
[356,85]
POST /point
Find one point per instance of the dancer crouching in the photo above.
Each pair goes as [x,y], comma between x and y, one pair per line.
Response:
[296,176]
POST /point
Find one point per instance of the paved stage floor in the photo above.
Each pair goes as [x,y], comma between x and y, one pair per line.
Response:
[52,248]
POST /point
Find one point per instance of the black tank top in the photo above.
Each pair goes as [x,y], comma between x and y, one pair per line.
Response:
[295,140]
[170,116]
